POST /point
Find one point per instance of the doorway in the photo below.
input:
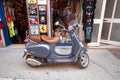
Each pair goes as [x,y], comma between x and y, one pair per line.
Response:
[16,19]
[111,28]
[64,11]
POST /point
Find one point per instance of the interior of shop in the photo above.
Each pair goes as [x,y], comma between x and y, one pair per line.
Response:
[16,19]
[64,11]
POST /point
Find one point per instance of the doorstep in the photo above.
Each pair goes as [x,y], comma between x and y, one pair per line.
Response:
[105,46]
[102,46]
[16,46]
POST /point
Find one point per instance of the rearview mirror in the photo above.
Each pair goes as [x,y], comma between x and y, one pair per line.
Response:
[57,23]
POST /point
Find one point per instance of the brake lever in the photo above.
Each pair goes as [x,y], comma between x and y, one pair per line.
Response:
[78,25]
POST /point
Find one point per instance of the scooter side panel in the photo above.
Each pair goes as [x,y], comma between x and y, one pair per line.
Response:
[39,50]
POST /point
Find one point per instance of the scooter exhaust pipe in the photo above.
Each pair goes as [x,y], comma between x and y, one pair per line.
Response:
[33,62]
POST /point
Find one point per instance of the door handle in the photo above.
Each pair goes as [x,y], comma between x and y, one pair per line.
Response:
[105,20]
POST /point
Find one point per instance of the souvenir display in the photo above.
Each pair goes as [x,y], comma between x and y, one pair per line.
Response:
[32,8]
[43,28]
[42,7]
[11,29]
[34,29]
[42,2]
[42,14]
[32,17]
[33,20]
[88,11]
[32,1]
[37,17]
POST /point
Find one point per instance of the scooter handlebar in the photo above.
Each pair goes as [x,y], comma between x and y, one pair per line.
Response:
[61,26]
[58,24]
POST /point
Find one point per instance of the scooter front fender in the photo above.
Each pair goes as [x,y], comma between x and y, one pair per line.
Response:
[83,51]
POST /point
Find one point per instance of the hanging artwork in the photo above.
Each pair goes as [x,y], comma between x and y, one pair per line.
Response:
[34,29]
[43,28]
[42,8]
[43,19]
[32,1]
[32,8]
[33,20]
[42,2]
[42,14]
[88,11]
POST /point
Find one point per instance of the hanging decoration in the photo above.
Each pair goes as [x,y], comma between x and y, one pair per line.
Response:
[10,23]
[88,16]
[42,7]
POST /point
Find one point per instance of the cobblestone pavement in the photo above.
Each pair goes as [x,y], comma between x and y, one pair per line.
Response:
[104,65]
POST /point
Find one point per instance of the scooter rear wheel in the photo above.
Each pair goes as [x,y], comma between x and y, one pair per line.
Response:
[83,61]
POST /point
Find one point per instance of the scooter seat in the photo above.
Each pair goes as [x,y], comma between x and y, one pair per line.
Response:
[50,40]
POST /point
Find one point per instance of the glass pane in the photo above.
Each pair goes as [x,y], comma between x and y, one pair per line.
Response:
[115,34]
[105,31]
[109,8]
[98,9]
[117,13]
[95,32]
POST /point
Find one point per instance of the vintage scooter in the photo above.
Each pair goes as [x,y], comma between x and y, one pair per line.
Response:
[37,54]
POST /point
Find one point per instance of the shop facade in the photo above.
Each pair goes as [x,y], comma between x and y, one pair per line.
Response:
[105,29]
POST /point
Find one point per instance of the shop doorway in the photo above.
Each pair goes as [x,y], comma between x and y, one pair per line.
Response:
[16,13]
[64,11]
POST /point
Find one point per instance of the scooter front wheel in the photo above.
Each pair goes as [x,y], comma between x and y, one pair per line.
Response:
[83,60]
